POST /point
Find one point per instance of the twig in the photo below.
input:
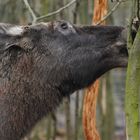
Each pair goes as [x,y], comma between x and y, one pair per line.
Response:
[31,11]
[35,18]
[110,12]
[57,11]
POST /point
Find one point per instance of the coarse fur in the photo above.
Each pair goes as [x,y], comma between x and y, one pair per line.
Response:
[43,63]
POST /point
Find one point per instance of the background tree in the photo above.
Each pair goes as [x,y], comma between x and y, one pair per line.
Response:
[132,102]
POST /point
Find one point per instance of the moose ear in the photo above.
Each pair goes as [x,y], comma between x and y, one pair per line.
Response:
[11,36]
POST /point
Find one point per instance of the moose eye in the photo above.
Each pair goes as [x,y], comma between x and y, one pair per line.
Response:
[64,26]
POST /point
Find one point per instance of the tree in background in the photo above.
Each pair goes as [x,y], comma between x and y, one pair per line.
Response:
[132,100]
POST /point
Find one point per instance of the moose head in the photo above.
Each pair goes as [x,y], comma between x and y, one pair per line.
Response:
[40,64]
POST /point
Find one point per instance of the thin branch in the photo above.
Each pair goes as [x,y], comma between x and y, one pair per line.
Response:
[57,11]
[31,11]
[35,18]
[110,12]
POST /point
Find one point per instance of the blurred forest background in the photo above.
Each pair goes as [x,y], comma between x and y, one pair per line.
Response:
[66,122]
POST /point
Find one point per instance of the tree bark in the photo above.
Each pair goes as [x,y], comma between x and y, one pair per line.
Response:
[133,91]
[132,100]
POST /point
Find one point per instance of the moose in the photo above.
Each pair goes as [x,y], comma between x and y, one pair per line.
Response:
[43,63]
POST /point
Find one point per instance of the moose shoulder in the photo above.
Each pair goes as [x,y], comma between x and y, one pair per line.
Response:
[40,64]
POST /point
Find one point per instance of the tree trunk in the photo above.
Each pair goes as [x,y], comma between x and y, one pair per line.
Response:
[133,91]
[132,100]
[106,108]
